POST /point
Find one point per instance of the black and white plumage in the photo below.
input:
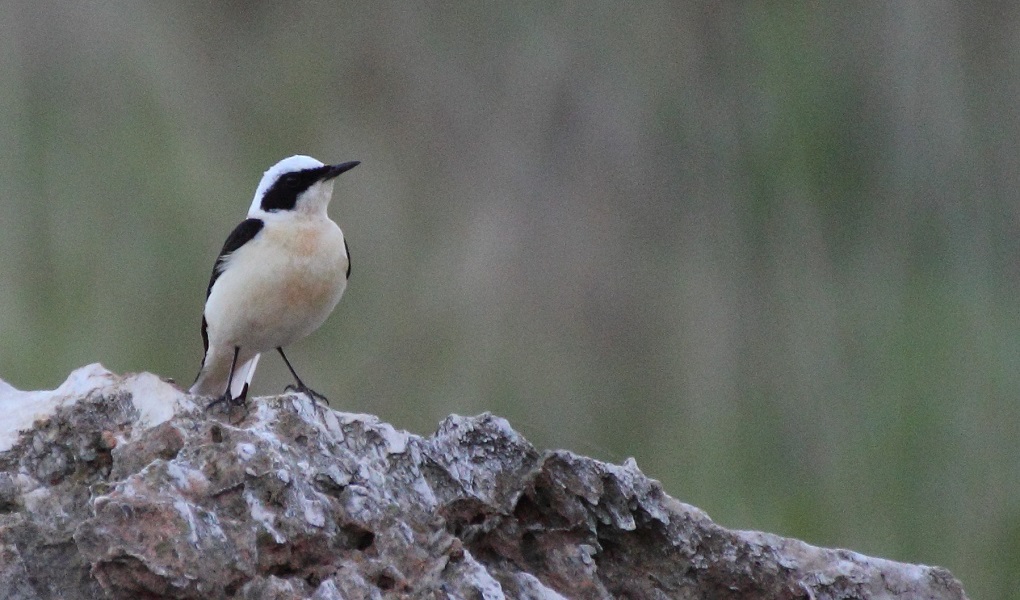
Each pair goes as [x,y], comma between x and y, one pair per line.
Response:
[279,275]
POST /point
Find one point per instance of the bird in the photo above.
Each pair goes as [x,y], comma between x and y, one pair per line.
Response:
[280,274]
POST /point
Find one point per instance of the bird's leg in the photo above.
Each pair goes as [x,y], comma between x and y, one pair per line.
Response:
[301,387]
[226,397]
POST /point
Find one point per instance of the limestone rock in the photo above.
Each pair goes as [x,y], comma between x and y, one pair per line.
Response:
[124,487]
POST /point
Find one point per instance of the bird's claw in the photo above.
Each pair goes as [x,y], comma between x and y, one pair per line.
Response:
[227,399]
[221,400]
[314,396]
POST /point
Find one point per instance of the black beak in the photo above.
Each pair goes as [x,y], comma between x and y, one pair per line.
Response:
[331,171]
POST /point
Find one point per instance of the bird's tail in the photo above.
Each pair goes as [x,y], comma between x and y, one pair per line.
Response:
[212,379]
[242,378]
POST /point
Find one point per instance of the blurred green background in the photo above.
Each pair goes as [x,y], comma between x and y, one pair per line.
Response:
[768,249]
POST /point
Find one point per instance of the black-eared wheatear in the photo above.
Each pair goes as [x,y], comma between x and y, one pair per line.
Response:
[279,275]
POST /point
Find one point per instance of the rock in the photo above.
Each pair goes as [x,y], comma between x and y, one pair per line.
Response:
[124,487]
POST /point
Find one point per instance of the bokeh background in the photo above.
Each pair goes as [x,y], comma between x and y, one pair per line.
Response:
[771,250]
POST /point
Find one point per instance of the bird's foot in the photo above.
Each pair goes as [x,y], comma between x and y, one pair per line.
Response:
[315,397]
[227,399]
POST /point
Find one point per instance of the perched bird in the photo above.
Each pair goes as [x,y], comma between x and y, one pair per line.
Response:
[279,275]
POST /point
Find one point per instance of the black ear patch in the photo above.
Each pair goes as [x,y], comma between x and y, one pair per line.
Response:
[284,192]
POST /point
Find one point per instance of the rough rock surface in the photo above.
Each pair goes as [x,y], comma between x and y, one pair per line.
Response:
[124,488]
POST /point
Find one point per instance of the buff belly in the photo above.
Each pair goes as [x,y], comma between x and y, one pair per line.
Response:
[278,288]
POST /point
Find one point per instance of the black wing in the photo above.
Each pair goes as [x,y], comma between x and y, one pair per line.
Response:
[241,235]
[348,251]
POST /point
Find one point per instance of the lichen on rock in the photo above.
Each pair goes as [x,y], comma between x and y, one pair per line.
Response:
[124,487]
